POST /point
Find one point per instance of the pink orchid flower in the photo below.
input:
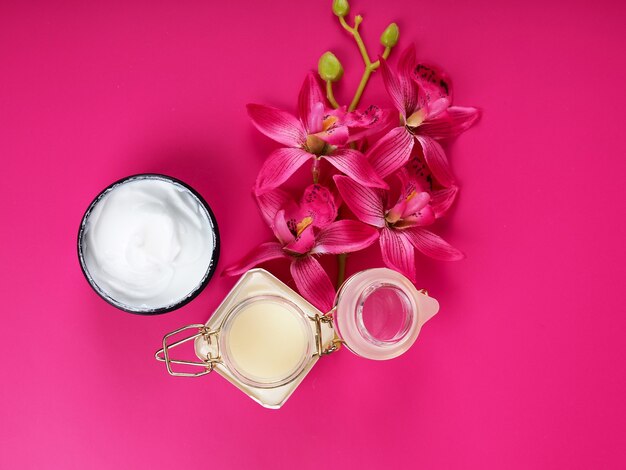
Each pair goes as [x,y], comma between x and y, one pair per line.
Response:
[441,199]
[317,133]
[399,221]
[303,231]
[423,97]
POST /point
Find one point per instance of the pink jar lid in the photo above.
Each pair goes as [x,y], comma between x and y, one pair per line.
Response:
[379,313]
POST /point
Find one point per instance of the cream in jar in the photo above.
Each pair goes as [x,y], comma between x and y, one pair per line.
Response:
[148,244]
[267,340]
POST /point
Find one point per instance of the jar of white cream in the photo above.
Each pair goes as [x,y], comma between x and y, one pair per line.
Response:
[264,337]
[148,244]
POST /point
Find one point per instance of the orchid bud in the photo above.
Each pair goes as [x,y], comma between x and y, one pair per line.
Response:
[390,35]
[341,7]
[329,67]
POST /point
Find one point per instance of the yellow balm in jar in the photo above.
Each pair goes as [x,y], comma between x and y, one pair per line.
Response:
[266,340]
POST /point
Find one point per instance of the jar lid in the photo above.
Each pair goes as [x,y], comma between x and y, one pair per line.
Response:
[379,313]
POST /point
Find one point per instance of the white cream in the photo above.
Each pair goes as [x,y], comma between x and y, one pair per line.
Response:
[148,243]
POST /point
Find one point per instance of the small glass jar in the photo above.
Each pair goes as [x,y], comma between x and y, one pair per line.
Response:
[264,337]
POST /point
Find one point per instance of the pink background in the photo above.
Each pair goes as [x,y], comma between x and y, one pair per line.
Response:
[523,367]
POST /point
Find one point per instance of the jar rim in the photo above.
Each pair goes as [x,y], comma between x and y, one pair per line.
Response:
[348,318]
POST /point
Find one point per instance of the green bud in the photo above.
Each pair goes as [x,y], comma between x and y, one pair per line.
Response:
[329,67]
[389,38]
[341,7]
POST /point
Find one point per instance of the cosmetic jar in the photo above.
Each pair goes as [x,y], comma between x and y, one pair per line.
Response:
[264,337]
[148,244]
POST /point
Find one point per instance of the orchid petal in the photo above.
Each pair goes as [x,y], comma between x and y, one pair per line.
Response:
[303,243]
[432,245]
[310,95]
[454,121]
[433,84]
[388,119]
[424,216]
[372,120]
[442,199]
[406,65]
[318,203]
[397,252]
[371,116]
[279,166]
[271,202]
[416,203]
[366,203]
[345,236]
[436,160]
[407,185]
[277,125]
[419,172]
[316,118]
[313,282]
[391,152]
[280,227]
[354,164]
[395,213]
[435,108]
[263,252]
[393,87]
[334,135]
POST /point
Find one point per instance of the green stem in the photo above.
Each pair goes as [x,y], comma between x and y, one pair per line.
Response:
[341,269]
[359,91]
[330,95]
[386,53]
[369,65]
[357,37]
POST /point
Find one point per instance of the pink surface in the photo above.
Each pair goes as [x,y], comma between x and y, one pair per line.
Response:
[522,368]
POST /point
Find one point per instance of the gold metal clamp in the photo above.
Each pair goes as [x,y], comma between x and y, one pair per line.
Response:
[163,354]
[326,319]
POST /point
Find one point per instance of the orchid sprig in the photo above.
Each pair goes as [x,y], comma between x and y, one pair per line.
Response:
[388,39]
[395,186]
[331,71]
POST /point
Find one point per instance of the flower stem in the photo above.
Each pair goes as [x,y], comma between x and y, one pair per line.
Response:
[369,65]
[357,36]
[385,55]
[365,78]
[315,170]
[359,91]
[330,95]
[341,269]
